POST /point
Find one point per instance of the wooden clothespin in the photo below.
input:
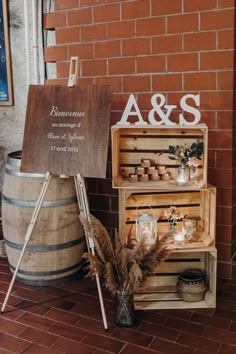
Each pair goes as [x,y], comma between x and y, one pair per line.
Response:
[73,71]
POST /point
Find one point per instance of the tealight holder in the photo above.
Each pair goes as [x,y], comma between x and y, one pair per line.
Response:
[165,177]
[154,177]
[161,170]
[182,175]
[151,170]
[179,238]
[140,170]
[133,177]
[146,162]
[143,178]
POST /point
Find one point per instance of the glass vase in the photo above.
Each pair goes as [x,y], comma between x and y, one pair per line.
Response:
[124,316]
[171,233]
[172,230]
[193,173]
[182,175]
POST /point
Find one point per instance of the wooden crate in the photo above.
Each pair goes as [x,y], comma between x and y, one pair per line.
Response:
[130,144]
[197,203]
[159,290]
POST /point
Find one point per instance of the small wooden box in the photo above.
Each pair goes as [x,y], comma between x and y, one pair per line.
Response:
[159,290]
[196,203]
[131,144]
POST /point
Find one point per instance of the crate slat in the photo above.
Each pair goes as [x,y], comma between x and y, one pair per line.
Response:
[176,304]
[165,198]
[167,296]
[155,143]
[179,130]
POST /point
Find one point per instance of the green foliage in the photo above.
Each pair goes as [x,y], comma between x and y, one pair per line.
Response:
[185,154]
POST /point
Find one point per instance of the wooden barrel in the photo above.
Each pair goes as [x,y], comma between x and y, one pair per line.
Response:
[53,253]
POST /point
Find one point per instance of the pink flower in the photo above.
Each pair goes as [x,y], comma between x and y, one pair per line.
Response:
[173,213]
[193,162]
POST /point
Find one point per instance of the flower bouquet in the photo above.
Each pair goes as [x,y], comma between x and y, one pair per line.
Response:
[188,156]
[172,215]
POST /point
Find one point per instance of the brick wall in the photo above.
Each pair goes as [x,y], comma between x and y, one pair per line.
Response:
[147,46]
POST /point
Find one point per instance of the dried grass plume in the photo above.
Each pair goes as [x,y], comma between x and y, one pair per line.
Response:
[121,267]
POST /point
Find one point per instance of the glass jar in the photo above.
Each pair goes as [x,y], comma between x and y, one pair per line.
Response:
[193,173]
[182,175]
[172,232]
[189,228]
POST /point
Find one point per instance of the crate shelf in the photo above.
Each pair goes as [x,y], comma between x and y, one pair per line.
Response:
[159,290]
[200,204]
[131,143]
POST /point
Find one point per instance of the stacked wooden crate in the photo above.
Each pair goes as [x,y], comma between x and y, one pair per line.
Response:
[130,144]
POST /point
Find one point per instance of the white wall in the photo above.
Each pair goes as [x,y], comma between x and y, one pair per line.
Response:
[12,118]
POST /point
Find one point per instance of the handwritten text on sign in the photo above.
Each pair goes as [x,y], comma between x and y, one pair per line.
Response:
[162,110]
[60,128]
[67,130]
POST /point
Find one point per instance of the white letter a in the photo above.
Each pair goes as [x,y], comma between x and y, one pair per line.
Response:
[128,112]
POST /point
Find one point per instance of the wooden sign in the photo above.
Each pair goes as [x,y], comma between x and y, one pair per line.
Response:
[67,130]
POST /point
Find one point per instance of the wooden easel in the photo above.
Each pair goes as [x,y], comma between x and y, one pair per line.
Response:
[83,209]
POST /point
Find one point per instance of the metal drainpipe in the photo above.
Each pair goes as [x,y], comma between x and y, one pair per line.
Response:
[26,19]
[35,40]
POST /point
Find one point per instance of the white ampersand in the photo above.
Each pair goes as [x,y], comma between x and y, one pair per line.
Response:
[157,109]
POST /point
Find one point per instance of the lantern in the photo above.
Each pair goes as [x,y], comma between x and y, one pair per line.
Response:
[190,227]
[146,229]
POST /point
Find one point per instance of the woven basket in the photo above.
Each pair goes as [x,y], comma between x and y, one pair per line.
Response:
[192,285]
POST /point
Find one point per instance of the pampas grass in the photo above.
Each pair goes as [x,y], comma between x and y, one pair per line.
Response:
[121,267]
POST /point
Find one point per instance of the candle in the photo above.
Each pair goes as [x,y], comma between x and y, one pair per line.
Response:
[151,170]
[165,177]
[179,238]
[133,177]
[146,234]
[146,162]
[155,177]
[139,170]
[161,170]
[182,176]
[180,180]
[144,177]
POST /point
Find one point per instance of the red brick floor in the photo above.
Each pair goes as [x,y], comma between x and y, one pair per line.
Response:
[67,319]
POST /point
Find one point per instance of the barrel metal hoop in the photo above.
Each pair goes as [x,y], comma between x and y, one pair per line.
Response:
[32,204]
[22,174]
[13,161]
[52,272]
[43,248]
[50,282]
